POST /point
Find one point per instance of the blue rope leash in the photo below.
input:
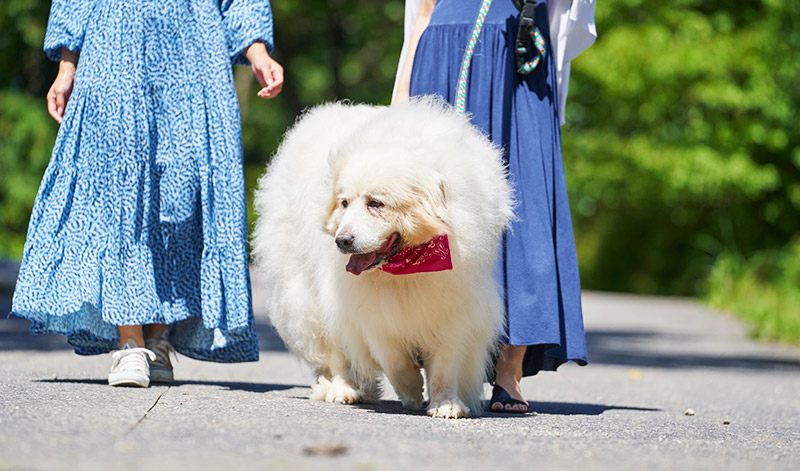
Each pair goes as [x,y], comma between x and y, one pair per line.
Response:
[461,88]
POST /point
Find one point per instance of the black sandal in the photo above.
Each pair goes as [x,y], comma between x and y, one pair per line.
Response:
[501,395]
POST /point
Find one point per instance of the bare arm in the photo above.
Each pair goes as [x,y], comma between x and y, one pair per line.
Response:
[425,10]
[60,91]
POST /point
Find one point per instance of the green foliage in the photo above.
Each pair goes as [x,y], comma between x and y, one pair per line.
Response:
[682,141]
[27,134]
[763,290]
[330,49]
[22,62]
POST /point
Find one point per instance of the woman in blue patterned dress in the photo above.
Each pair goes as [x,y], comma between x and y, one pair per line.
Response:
[137,238]
[538,267]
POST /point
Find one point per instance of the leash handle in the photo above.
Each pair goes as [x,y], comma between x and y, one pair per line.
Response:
[528,32]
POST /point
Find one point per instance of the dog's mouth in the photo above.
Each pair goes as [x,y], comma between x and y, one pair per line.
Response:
[362,262]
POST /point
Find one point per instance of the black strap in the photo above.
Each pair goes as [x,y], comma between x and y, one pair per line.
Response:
[526,23]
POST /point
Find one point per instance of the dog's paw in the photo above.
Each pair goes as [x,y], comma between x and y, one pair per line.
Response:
[320,390]
[343,394]
[414,402]
[448,409]
[337,391]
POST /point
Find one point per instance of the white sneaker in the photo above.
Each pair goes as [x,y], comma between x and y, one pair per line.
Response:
[160,367]
[130,367]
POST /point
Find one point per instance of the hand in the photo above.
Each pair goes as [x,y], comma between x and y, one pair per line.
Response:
[61,89]
[268,72]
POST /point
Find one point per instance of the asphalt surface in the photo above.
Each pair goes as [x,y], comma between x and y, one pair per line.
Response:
[651,359]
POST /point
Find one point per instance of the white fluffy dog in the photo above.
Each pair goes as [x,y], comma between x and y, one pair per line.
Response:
[350,187]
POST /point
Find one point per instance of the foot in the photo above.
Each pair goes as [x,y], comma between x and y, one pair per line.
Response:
[161,367]
[130,366]
[503,401]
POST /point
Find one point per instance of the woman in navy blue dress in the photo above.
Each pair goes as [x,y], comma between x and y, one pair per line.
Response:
[137,238]
[538,268]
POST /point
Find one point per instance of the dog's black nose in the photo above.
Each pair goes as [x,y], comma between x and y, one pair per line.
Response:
[345,241]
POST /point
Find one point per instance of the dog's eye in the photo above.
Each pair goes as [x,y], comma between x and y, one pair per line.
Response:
[375,204]
[344,203]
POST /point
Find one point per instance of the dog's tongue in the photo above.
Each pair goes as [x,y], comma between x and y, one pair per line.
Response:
[359,262]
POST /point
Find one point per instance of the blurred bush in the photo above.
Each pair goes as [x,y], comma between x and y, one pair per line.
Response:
[27,132]
[762,289]
[682,140]
[26,140]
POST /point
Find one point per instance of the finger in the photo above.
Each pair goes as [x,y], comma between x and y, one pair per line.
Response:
[61,103]
[266,92]
[260,76]
[276,73]
[269,92]
[52,106]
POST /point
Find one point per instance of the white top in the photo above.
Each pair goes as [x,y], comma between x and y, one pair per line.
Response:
[572,31]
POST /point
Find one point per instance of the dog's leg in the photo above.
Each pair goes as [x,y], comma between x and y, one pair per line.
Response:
[405,376]
[339,388]
[472,370]
[455,373]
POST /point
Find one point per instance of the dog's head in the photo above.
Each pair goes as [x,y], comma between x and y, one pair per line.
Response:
[382,203]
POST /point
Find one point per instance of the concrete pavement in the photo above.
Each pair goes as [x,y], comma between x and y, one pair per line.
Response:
[651,359]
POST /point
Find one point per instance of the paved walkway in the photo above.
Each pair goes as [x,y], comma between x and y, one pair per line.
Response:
[652,359]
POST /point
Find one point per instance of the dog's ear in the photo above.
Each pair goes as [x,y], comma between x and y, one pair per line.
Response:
[430,219]
[443,189]
[330,221]
[332,216]
[438,197]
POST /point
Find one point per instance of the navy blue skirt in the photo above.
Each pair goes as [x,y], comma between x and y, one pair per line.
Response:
[538,268]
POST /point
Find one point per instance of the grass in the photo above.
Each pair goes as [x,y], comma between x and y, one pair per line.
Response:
[764,290]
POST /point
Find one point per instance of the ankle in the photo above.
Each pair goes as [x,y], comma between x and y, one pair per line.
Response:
[124,341]
[506,380]
[156,331]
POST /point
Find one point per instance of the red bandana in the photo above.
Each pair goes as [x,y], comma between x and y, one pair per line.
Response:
[431,256]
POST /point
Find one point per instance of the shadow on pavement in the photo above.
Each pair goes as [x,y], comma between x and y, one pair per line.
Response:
[228,385]
[664,350]
[390,407]
[550,408]
[239,386]
[576,408]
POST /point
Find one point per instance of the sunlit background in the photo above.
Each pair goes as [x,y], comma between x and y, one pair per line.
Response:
[682,142]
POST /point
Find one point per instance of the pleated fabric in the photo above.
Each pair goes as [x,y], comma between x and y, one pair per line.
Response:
[141,217]
[538,268]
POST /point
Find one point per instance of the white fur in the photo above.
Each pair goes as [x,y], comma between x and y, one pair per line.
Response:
[434,173]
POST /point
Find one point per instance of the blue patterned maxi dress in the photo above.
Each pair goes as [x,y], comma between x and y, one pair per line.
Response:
[538,267]
[140,217]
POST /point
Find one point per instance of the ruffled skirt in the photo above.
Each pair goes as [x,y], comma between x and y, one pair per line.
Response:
[141,217]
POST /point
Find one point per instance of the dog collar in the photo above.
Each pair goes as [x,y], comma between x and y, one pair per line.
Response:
[431,256]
